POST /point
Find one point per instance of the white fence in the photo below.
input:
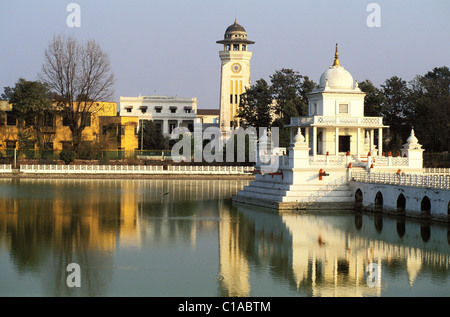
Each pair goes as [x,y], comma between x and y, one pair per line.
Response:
[433,170]
[440,181]
[5,168]
[134,169]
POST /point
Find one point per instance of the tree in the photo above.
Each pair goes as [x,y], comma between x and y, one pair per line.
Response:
[151,139]
[79,75]
[290,91]
[396,109]
[374,99]
[32,107]
[430,98]
[256,105]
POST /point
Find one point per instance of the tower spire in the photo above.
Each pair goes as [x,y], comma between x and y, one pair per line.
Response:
[336,57]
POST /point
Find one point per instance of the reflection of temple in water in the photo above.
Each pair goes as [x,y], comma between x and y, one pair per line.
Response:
[326,255]
[47,224]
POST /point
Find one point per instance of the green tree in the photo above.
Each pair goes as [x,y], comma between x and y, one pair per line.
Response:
[396,110]
[430,98]
[32,106]
[374,99]
[255,106]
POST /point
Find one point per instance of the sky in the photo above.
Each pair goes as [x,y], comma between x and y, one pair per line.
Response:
[168,47]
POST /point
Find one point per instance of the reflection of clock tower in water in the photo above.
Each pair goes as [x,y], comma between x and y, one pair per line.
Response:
[235,75]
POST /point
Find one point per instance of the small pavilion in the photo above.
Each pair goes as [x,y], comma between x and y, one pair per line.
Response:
[336,124]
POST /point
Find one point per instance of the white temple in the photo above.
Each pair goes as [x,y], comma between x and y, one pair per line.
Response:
[326,146]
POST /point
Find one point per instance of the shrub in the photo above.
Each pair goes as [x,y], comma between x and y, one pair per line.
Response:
[68,156]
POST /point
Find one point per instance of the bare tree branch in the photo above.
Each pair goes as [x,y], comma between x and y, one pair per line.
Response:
[80,76]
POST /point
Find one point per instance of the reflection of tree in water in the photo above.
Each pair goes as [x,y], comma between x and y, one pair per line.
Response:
[75,226]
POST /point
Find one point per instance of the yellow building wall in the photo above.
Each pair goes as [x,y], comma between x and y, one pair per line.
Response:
[128,140]
[61,133]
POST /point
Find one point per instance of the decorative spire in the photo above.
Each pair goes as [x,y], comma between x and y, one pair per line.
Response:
[412,138]
[336,57]
[299,138]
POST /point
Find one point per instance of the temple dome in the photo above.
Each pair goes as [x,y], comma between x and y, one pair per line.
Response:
[336,77]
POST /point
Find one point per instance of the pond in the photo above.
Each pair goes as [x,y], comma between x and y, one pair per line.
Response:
[179,238]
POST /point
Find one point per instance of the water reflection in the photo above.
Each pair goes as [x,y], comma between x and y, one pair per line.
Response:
[185,238]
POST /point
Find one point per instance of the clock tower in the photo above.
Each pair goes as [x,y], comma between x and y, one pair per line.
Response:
[235,73]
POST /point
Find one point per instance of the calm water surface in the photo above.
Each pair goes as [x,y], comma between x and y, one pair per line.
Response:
[186,238]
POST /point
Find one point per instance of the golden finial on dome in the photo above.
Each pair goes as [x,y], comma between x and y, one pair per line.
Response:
[336,57]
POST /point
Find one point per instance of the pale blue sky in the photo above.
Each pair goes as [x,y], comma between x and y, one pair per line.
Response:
[169,47]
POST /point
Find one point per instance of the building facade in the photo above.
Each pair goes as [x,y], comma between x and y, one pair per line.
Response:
[235,73]
[166,112]
[56,131]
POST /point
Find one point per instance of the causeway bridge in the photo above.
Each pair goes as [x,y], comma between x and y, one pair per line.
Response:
[421,195]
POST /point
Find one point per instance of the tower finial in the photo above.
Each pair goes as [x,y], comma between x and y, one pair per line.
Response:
[336,57]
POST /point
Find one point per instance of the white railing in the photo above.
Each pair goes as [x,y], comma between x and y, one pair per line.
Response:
[331,120]
[5,168]
[437,170]
[134,169]
[415,180]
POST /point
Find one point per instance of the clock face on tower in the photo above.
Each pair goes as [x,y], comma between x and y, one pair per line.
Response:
[236,67]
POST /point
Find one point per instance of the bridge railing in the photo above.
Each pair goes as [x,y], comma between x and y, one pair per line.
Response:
[437,170]
[440,181]
[5,168]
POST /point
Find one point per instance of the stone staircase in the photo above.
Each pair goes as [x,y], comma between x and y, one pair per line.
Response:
[297,196]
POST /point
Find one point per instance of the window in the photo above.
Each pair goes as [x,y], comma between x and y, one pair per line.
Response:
[244,48]
[343,108]
[66,145]
[314,108]
[87,119]
[231,98]
[158,109]
[10,144]
[187,110]
[173,110]
[129,108]
[48,145]
[235,47]
[11,118]
[172,126]
[49,120]
[65,120]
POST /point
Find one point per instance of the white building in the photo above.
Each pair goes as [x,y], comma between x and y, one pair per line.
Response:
[166,112]
[336,123]
[334,140]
